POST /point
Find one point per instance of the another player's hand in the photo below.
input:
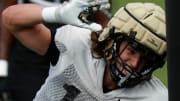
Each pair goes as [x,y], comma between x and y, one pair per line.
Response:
[69,12]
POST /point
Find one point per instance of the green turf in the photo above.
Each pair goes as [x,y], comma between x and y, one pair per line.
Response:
[162,72]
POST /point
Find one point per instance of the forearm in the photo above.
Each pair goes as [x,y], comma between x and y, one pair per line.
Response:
[24,21]
[21,16]
[28,15]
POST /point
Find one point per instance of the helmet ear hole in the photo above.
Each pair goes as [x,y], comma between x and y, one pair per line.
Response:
[108,56]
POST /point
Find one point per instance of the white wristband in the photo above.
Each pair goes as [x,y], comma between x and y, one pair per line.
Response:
[48,14]
[3,68]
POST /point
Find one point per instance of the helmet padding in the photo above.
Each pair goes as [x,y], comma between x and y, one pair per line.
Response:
[146,19]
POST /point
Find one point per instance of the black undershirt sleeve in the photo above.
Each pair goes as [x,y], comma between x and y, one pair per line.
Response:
[52,53]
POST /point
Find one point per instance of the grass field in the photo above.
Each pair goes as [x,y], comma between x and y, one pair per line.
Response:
[162,72]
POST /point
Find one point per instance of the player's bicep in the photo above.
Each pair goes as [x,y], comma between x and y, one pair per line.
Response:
[36,38]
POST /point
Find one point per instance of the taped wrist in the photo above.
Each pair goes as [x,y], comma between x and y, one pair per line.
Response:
[49,14]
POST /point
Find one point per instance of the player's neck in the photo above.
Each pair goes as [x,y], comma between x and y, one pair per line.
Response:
[108,83]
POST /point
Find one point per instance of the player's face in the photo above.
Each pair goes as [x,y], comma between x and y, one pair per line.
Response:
[131,57]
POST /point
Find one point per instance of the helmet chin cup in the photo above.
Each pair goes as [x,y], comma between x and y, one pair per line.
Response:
[122,80]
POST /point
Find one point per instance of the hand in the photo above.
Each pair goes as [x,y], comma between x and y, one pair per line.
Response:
[69,13]
[3,68]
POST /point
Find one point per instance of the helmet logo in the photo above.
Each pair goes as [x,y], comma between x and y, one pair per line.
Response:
[152,41]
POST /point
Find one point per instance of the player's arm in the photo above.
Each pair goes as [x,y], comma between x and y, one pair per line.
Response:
[5,40]
[25,22]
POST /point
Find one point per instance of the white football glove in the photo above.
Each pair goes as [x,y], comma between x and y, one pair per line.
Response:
[68,13]
[3,68]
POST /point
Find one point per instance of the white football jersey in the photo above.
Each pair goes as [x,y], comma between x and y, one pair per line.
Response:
[78,76]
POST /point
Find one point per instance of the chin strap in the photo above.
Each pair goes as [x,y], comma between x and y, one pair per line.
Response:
[118,76]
